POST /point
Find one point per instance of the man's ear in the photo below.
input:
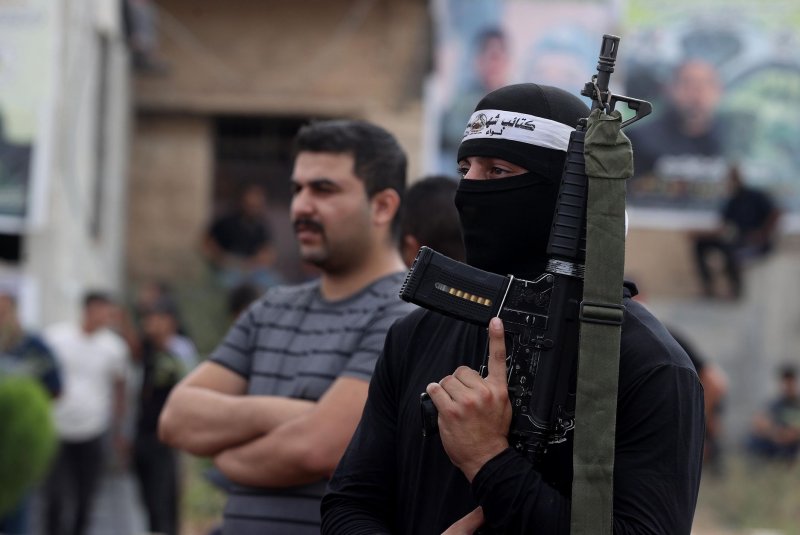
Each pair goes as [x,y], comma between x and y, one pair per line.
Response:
[385,205]
[409,249]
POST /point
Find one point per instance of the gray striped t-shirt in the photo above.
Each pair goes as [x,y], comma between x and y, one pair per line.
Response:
[294,343]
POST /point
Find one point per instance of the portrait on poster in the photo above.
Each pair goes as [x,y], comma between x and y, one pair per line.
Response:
[723,78]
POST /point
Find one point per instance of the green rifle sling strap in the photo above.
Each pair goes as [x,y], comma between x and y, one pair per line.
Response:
[609,161]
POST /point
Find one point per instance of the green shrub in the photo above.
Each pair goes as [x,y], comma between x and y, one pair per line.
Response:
[27,437]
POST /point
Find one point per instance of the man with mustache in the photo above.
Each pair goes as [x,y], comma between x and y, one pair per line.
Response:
[278,400]
[468,476]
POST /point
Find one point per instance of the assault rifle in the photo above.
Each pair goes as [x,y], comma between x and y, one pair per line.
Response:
[541,316]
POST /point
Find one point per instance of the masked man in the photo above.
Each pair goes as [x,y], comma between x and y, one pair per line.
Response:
[392,480]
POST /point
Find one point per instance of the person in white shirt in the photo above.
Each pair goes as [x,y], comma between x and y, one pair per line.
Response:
[93,360]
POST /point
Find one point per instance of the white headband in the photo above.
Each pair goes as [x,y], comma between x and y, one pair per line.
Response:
[500,124]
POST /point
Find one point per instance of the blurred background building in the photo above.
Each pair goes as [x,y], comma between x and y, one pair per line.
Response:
[65,110]
[233,83]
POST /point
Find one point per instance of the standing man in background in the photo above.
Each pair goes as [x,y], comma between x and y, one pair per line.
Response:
[93,362]
[278,400]
[429,217]
[156,465]
[23,353]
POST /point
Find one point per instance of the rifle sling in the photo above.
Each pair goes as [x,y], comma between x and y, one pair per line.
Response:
[609,161]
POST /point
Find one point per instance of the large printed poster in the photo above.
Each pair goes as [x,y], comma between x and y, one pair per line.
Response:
[485,44]
[723,77]
[26,39]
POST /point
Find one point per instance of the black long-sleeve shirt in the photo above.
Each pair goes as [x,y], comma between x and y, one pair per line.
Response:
[392,480]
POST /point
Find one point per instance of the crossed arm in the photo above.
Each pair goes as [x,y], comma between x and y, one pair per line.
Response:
[261,440]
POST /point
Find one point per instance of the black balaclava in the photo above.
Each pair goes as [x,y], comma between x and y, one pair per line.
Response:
[506,222]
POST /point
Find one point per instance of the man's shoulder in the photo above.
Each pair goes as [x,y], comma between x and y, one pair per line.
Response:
[287,293]
[381,295]
[278,300]
[647,344]
[387,286]
[33,342]
[112,342]
[58,332]
[375,299]
[290,291]
[386,291]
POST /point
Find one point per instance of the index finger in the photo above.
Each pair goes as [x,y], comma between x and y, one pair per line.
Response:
[497,353]
[468,524]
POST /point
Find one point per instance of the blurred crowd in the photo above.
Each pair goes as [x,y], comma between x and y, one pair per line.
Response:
[107,376]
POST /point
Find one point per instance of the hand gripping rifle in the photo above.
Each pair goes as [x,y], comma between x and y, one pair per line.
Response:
[541,317]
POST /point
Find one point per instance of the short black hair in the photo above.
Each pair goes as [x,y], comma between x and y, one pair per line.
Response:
[240,297]
[163,305]
[429,214]
[490,33]
[787,371]
[96,297]
[379,161]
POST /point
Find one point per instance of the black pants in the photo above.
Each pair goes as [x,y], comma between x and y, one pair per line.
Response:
[157,471]
[70,487]
[705,246]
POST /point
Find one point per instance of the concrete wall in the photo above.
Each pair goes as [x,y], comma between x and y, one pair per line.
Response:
[324,57]
[660,262]
[169,194]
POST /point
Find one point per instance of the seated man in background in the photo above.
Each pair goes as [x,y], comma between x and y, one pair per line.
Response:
[749,221]
[775,432]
